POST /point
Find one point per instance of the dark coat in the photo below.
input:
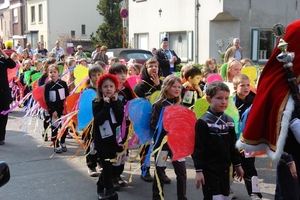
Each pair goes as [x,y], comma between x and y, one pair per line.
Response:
[163,60]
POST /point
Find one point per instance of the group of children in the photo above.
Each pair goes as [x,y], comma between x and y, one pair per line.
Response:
[215,134]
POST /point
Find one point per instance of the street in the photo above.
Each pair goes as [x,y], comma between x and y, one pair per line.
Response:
[35,175]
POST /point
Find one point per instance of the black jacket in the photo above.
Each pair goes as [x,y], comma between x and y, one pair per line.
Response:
[163,60]
[102,113]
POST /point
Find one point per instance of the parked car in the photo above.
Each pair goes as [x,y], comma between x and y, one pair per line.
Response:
[140,55]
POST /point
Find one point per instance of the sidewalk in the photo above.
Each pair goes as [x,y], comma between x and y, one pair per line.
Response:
[36,176]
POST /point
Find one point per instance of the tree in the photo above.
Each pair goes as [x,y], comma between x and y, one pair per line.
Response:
[110,32]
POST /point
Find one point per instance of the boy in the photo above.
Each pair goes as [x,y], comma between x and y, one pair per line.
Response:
[191,90]
[95,71]
[125,94]
[243,100]
[215,145]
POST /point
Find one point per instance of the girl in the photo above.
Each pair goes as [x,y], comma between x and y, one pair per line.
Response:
[212,64]
[134,69]
[108,113]
[205,72]
[169,95]
[56,91]
[233,68]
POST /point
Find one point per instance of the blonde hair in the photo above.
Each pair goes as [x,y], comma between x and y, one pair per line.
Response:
[166,85]
[245,60]
[232,62]
[238,78]
[208,62]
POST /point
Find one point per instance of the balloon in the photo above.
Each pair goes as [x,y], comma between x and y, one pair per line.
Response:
[214,77]
[80,73]
[38,95]
[180,122]
[133,81]
[139,111]
[200,107]
[85,113]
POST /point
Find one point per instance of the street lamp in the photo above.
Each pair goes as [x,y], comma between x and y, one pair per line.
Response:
[160,12]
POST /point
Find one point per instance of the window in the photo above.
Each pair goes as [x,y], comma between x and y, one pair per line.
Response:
[40,12]
[15,15]
[72,33]
[83,29]
[32,14]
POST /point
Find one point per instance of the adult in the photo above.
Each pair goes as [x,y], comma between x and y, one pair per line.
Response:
[153,50]
[98,48]
[42,51]
[235,51]
[167,58]
[29,50]
[80,52]
[101,56]
[19,48]
[5,93]
[57,49]
[38,47]
[8,50]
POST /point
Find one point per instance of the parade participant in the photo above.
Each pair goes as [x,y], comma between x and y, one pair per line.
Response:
[215,145]
[191,90]
[56,91]
[212,64]
[5,93]
[243,100]
[169,95]
[125,94]
[205,72]
[134,69]
[108,112]
[149,84]
[8,50]
[229,70]
[167,58]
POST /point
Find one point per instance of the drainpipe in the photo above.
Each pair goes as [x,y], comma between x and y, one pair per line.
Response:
[197,30]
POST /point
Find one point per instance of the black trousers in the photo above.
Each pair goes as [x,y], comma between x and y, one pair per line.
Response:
[180,171]
[5,99]
[54,130]
[105,179]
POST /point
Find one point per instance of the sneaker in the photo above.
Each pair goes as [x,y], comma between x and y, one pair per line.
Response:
[231,194]
[64,147]
[2,142]
[116,183]
[166,179]
[57,150]
[255,197]
[102,195]
[92,172]
[121,181]
[147,177]
[69,136]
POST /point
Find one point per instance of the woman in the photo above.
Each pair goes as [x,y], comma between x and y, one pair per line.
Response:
[101,56]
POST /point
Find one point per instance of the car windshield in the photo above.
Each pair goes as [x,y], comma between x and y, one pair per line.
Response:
[139,55]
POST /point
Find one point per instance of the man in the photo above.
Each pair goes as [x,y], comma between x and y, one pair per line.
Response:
[5,93]
[80,52]
[234,52]
[57,49]
[42,51]
[167,58]
[29,50]
[98,47]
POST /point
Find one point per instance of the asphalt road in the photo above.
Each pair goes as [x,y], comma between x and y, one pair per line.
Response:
[37,174]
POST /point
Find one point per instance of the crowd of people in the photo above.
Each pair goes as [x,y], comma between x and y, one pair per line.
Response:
[216,159]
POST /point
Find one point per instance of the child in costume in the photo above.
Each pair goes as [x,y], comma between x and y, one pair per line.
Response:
[212,64]
[56,91]
[205,72]
[191,89]
[125,94]
[215,145]
[231,69]
[243,100]
[149,84]
[169,95]
[92,159]
[108,112]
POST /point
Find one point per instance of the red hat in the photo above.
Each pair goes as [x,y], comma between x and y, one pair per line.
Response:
[268,120]
[112,77]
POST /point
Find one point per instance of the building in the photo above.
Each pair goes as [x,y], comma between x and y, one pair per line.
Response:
[199,29]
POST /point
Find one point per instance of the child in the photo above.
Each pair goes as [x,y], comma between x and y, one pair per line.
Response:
[243,100]
[125,94]
[233,68]
[134,69]
[56,91]
[169,95]
[215,145]
[212,64]
[108,113]
[92,158]
[205,72]
[191,89]
[246,62]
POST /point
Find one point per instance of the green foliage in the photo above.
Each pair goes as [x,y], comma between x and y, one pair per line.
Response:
[110,32]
